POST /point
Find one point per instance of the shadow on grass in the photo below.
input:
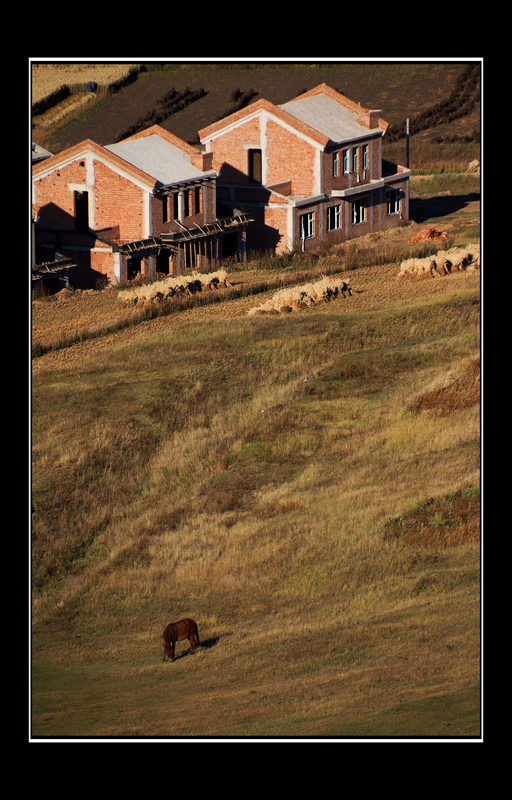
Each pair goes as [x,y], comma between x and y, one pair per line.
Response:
[421,209]
[205,644]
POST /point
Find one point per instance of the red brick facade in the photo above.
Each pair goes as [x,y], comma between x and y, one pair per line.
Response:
[109,216]
[305,173]
[337,187]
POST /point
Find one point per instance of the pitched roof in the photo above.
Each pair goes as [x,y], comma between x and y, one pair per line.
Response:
[322,114]
[335,115]
[153,155]
[254,108]
[327,116]
[166,135]
[76,150]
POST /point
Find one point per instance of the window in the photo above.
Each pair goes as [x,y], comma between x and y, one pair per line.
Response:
[345,162]
[165,208]
[359,211]
[198,198]
[365,156]
[175,205]
[393,200]
[307,225]
[186,203]
[82,210]
[255,165]
[355,159]
[335,164]
[333,218]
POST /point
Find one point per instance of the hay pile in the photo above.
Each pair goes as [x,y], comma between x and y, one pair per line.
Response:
[167,288]
[443,263]
[297,298]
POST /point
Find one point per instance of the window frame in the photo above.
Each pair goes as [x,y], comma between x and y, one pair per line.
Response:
[334,215]
[359,206]
[309,218]
[365,150]
[335,164]
[396,202]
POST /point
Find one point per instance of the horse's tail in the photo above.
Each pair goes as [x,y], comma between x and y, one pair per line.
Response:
[197,635]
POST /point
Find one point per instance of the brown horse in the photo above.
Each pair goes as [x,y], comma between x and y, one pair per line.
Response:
[176,632]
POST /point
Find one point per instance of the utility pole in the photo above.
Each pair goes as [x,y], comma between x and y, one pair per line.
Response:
[407,143]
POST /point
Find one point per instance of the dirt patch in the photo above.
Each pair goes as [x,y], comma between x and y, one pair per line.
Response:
[459,391]
[438,523]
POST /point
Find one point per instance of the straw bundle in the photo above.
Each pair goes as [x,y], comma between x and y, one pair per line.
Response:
[443,263]
[297,298]
[170,287]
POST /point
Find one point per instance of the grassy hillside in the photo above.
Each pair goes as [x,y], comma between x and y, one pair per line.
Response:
[305,485]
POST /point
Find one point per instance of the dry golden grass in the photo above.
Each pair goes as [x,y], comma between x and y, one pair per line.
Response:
[249,471]
[47,78]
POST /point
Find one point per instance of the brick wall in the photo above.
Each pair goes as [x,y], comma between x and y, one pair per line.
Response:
[289,158]
[118,201]
[54,200]
[230,152]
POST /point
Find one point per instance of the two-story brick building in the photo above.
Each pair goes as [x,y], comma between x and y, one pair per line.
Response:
[144,205]
[308,171]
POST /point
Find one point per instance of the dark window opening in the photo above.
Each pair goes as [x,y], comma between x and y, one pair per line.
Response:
[255,166]
[163,262]
[134,267]
[82,210]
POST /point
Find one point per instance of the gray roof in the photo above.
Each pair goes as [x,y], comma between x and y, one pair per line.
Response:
[326,116]
[39,153]
[161,160]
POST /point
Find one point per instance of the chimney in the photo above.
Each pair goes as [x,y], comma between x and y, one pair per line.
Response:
[370,119]
[203,161]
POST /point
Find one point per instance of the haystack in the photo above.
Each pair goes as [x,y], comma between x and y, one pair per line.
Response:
[298,298]
[443,263]
[167,288]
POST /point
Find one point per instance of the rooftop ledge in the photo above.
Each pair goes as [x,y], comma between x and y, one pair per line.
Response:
[391,176]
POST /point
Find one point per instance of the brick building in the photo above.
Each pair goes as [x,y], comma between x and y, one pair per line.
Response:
[144,205]
[308,171]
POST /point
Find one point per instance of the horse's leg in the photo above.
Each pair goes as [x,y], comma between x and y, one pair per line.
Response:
[192,643]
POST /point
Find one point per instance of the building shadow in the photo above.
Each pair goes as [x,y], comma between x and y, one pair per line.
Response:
[421,209]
